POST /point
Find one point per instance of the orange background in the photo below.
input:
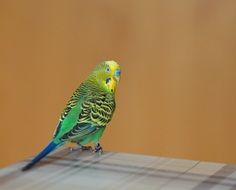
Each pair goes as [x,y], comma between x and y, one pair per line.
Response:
[177,95]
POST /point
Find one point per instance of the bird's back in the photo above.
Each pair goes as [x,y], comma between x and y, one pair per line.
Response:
[88,110]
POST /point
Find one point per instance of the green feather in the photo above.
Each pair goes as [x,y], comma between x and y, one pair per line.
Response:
[86,114]
[88,111]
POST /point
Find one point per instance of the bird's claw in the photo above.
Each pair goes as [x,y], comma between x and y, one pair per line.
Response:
[98,149]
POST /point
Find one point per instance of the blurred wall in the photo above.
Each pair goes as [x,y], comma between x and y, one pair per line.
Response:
[177,96]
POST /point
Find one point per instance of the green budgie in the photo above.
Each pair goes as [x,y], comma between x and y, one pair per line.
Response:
[88,111]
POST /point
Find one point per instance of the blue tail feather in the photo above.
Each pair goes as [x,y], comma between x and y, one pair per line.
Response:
[49,148]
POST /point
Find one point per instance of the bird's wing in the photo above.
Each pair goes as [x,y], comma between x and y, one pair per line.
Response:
[72,110]
[94,112]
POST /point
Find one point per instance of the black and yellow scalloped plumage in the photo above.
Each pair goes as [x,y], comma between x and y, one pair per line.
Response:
[88,111]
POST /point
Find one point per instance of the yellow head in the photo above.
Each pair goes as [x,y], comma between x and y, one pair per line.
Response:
[107,75]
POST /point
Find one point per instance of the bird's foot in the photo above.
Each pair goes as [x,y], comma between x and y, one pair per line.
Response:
[98,148]
[81,148]
[86,148]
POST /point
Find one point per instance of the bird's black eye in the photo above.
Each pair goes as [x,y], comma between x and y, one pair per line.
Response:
[108,80]
[107,69]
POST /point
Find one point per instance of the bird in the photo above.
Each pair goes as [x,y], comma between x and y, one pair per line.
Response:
[87,112]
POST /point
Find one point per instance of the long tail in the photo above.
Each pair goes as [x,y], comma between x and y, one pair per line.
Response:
[49,148]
